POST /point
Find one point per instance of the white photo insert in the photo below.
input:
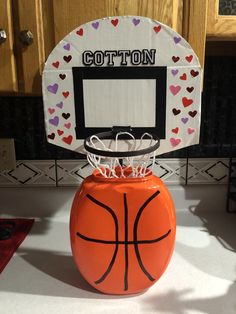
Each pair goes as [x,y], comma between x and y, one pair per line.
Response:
[122,102]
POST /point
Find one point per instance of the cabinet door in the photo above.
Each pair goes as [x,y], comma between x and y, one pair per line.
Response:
[29,52]
[221,22]
[194,26]
[8,78]
[70,14]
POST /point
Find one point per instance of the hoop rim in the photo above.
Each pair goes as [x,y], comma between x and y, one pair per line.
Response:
[119,154]
[97,176]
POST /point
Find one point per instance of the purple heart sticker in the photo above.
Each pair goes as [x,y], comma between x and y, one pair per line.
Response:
[184,120]
[60,105]
[67,46]
[136,21]
[52,88]
[54,121]
[95,25]
[177,39]
[174,72]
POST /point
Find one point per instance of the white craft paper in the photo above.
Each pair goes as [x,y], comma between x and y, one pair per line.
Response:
[183,83]
[120,102]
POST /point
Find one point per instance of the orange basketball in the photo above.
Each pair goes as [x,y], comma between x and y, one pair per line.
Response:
[122,232]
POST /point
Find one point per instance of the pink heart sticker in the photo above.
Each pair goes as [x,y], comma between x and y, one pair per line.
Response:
[175,89]
[51,110]
[175,141]
[67,125]
[190,131]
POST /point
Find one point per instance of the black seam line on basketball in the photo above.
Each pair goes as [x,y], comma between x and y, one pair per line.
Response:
[116,237]
[135,235]
[123,242]
[126,243]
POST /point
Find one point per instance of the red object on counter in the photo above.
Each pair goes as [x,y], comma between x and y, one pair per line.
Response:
[13,233]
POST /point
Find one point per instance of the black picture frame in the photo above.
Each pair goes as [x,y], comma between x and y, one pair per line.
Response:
[157,73]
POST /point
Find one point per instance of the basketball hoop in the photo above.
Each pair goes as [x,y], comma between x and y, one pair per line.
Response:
[114,162]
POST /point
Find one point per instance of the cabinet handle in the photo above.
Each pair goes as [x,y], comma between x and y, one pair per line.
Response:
[26,37]
[3,36]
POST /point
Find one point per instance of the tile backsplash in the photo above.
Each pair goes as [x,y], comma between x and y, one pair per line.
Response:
[172,171]
[30,173]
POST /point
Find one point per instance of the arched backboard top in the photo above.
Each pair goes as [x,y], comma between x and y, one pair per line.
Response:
[123,71]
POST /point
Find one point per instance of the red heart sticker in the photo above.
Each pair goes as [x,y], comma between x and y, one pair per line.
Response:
[187,102]
[60,132]
[183,77]
[65,94]
[175,130]
[67,139]
[80,32]
[114,22]
[56,64]
[189,58]
[157,28]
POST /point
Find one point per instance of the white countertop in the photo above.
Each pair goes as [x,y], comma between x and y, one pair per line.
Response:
[42,277]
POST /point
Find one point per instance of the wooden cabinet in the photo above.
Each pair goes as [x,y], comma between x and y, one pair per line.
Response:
[69,14]
[29,52]
[220,27]
[8,77]
[50,20]
[194,26]
[21,57]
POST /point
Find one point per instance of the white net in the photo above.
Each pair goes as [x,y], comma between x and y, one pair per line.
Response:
[122,167]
